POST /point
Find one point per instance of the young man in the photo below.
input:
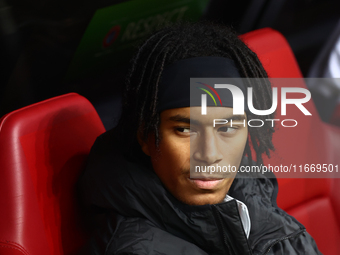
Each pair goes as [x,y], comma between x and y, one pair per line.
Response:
[138,175]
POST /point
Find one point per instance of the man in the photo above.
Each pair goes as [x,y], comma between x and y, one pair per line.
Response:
[138,178]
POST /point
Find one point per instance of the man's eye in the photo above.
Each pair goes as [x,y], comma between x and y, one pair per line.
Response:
[226,129]
[183,130]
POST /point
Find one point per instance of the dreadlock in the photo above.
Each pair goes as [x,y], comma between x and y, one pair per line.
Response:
[182,41]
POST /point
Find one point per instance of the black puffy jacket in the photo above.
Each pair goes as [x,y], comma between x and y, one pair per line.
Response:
[138,215]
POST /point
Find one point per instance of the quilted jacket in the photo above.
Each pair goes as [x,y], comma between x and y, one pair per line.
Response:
[136,214]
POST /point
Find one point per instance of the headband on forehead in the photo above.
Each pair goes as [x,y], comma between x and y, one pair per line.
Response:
[174,88]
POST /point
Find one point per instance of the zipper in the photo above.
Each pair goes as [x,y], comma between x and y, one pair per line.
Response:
[220,226]
[282,239]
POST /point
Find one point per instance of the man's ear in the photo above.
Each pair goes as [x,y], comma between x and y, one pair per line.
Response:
[143,144]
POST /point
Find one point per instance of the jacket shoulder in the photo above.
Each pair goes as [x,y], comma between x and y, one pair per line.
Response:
[300,244]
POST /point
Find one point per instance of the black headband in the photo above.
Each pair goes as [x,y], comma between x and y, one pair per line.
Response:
[174,88]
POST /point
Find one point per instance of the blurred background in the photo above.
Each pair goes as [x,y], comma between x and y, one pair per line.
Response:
[52,47]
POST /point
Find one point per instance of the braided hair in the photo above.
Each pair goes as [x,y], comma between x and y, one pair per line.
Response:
[182,41]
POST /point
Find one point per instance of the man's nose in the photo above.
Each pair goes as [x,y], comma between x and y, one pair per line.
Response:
[207,150]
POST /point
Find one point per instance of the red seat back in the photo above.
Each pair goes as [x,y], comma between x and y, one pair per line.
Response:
[313,201]
[43,148]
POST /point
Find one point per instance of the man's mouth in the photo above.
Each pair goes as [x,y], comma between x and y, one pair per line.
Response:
[206,183]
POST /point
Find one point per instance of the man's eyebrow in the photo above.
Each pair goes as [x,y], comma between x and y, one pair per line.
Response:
[236,117]
[185,119]
[180,118]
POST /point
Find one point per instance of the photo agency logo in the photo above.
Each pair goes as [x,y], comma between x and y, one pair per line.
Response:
[233,93]
[225,112]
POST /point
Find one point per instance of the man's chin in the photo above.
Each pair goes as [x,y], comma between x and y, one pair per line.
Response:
[202,199]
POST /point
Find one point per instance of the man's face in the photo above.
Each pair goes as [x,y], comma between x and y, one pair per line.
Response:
[188,139]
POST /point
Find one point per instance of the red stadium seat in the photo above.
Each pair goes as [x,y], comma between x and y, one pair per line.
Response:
[314,202]
[335,118]
[43,148]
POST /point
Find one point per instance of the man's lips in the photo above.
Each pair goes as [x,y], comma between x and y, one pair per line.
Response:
[206,183]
